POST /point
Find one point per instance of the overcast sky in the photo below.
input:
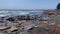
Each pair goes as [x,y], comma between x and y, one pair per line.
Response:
[28,4]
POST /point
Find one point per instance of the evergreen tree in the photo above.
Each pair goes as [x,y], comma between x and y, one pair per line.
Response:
[58,6]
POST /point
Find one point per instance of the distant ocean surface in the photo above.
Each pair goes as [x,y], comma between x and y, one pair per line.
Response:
[8,13]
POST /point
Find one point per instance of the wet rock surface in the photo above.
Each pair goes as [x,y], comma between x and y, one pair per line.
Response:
[25,24]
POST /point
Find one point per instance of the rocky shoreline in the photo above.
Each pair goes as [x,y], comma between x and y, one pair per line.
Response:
[47,23]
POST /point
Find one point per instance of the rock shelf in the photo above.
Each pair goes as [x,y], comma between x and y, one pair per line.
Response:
[47,23]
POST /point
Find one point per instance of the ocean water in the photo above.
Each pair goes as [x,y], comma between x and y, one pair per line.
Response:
[8,13]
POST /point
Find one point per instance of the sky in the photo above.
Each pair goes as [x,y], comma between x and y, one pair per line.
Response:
[28,4]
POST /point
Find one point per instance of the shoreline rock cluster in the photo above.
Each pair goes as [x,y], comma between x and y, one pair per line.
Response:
[47,23]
